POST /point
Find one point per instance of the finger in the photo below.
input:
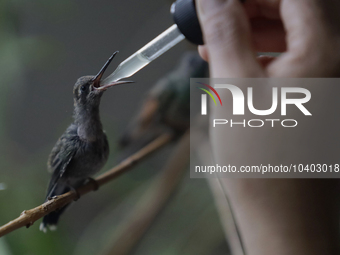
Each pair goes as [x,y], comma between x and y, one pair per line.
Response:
[268,36]
[310,41]
[202,50]
[227,37]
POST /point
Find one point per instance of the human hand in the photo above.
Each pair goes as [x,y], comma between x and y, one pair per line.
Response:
[308,32]
[273,215]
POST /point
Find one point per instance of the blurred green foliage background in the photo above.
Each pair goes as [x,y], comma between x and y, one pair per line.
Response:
[44,47]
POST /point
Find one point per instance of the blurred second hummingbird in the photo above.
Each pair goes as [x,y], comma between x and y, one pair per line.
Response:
[83,149]
[166,108]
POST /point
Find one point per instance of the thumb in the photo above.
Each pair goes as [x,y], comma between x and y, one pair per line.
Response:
[227,37]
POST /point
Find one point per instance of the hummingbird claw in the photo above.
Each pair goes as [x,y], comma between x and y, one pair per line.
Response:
[94,183]
[77,194]
[75,191]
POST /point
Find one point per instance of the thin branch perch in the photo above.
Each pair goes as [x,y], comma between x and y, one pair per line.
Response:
[28,217]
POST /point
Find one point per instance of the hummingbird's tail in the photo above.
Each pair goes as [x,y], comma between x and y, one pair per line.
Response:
[51,219]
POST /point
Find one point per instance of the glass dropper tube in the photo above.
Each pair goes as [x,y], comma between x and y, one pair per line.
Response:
[148,53]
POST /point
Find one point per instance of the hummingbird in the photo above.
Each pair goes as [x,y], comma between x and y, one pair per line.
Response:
[83,149]
[167,105]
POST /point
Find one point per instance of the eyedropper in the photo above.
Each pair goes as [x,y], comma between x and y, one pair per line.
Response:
[186,26]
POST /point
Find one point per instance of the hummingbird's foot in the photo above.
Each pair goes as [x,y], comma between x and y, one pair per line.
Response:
[75,191]
[94,183]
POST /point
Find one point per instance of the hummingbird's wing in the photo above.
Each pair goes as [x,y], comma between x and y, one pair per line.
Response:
[61,155]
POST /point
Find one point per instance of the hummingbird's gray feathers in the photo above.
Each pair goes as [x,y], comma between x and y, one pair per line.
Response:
[167,106]
[60,158]
[61,153]
[75,158]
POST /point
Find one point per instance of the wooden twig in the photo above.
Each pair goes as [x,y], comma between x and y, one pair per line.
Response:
[153,201]
[28,217]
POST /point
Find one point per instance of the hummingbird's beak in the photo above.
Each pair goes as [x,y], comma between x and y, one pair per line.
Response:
[106,86]
[97,79]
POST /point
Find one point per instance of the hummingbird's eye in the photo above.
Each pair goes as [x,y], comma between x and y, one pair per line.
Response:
[83,88]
